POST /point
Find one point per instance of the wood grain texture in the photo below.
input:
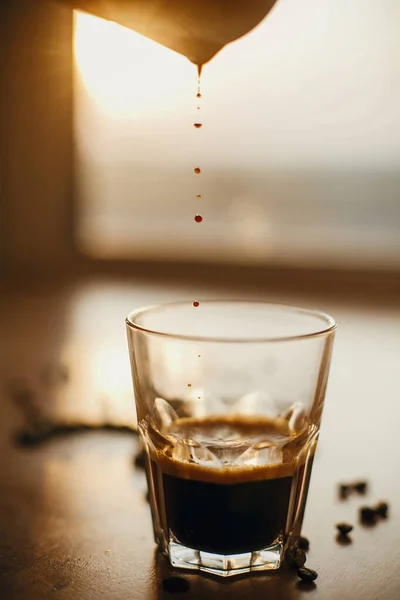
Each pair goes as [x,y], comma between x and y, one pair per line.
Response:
[73,519]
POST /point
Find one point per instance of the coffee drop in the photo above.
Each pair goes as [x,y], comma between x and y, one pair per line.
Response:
[198,125]
[198,195]
[198,218]
[198,95]
[196,304]
[197,170]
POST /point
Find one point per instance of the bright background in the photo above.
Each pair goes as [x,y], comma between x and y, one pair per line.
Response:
[300,147]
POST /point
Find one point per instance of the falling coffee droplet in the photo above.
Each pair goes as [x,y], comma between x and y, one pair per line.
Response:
[198,95]
[198,218]
[189,385]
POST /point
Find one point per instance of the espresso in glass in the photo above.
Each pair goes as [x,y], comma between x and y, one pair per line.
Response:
[229,485]
[229,398]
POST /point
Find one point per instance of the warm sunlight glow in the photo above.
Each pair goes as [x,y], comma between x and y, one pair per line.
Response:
[316,83]
[126,73]
[314,90]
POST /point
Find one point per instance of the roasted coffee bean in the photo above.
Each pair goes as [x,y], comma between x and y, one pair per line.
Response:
[344,490]
[140,460]
[367,514]
[289,556]
[381,509]
[295,557]
[303,543]
[343,540]
[344,528]
[360,486]
[175,585]
[307,575]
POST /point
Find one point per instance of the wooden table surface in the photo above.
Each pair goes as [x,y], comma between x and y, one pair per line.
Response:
[74,522]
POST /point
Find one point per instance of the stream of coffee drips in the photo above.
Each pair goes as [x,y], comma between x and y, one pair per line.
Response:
[197,170]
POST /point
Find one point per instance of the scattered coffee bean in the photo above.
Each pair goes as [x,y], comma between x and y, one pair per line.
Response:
[344,490]
[300,558]
[360,487]
[40,428]
[381,509]
[140,460]
[295,557]
[367,514]
[303,543]
[343,540]
[307,575]
[344,528]
[175,585]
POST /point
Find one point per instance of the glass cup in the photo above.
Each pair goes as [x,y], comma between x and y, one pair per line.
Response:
[229,398]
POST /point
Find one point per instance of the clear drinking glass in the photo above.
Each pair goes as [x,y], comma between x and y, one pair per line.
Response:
[229,398]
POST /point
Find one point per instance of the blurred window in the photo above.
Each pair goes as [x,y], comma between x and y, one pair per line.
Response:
[299,149]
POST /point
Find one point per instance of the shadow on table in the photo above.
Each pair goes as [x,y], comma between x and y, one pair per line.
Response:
[273,585]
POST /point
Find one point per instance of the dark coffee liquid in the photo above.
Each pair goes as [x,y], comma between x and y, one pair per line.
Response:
[227,519]
[224,509]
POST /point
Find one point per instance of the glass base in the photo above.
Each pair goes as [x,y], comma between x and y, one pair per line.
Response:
[223,565]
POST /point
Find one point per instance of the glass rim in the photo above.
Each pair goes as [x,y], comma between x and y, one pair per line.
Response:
[323,331]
